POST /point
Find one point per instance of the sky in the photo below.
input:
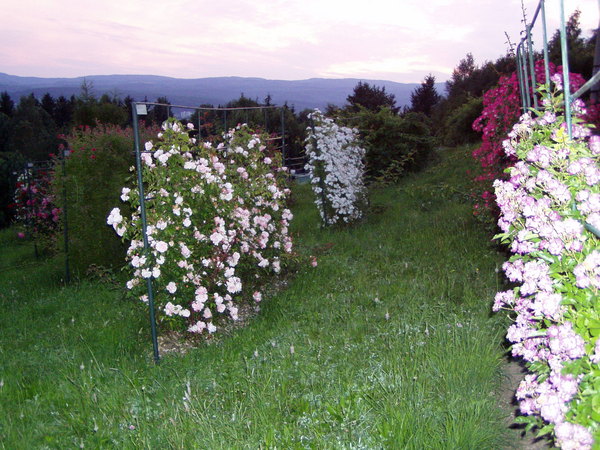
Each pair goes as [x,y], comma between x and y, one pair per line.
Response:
[397,40]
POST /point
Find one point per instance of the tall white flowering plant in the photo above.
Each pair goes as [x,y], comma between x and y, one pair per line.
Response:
[216,221]
[336,168]
[550,217]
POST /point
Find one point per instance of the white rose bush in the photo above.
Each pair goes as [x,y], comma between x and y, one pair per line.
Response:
[336,169]
[217,223]
[550,217]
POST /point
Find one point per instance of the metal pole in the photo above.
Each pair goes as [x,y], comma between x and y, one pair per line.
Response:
[30,209]
[532,67]
[565,64]
[65,217]
[321,180]
[546,57]
[138,161]
[526,80]
[199,127]
[520,78]
[283,152]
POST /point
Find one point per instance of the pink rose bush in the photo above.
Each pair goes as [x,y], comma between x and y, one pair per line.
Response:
[336,169]
[501,110]
[550,218]
[217,222]
[35,208]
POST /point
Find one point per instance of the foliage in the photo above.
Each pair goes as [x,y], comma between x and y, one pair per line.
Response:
[32,131]
[7,105]
[157,114]
[581,51]
[216,222]
[35,208]
[95,169]
[372,98]
[336,168]
[551,219]
[10,165]
[425,97]
[394,144]
[501,110]
[458,125]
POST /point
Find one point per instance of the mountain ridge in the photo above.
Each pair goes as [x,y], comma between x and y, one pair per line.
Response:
[301,94]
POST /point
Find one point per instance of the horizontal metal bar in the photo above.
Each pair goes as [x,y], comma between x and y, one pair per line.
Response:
[587,86]
[200,108]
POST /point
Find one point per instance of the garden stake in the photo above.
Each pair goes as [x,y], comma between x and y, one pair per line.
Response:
[565,63]
[138,161]
[283,138]
[321,181]
[31,212]
[66,222]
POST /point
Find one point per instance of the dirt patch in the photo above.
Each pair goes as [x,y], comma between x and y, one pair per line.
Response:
[176,342]
[513,373]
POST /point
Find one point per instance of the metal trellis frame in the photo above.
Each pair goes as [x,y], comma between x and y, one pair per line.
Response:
[527,81]
[139,109]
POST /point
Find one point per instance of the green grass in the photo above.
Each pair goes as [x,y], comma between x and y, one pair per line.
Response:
[388,343]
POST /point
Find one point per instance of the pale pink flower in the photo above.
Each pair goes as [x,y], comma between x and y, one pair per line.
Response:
[161,246]
[172,287]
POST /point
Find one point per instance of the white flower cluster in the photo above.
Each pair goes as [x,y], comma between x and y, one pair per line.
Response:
[216,221]
[336,168]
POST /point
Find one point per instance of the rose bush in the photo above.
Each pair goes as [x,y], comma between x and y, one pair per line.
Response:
[501,110]
[35,208]
[550,217]
[216,223]
[336,168]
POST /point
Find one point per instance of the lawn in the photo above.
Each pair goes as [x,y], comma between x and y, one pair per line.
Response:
[388,343]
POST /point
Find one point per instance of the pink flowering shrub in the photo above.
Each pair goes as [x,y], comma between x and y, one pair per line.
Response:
[35,208]
[501,110]
[217,222]
[550,217]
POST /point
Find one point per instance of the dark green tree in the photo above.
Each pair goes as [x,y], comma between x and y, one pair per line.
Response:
[581,51]
[159,113]
[425,97]
[48,104]
[372,98]
[32,131]
[459,82]
[7,106]
[63,113]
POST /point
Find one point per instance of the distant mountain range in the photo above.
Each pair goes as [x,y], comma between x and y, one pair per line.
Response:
[301,94]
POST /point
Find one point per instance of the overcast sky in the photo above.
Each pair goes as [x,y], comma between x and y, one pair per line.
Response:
[398,40]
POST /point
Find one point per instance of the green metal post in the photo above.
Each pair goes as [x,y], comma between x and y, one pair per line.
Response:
[283,152]
[138,160]
[565,64]
[531,67]
[65,217]
[525,80]
[266,119]
[199,127]
[546,57]
[30,208]
[520,77]
[321,180]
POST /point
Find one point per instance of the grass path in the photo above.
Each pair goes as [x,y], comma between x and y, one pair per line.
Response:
[388,343]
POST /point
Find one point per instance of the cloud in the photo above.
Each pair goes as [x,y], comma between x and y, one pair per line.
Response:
[287,39]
